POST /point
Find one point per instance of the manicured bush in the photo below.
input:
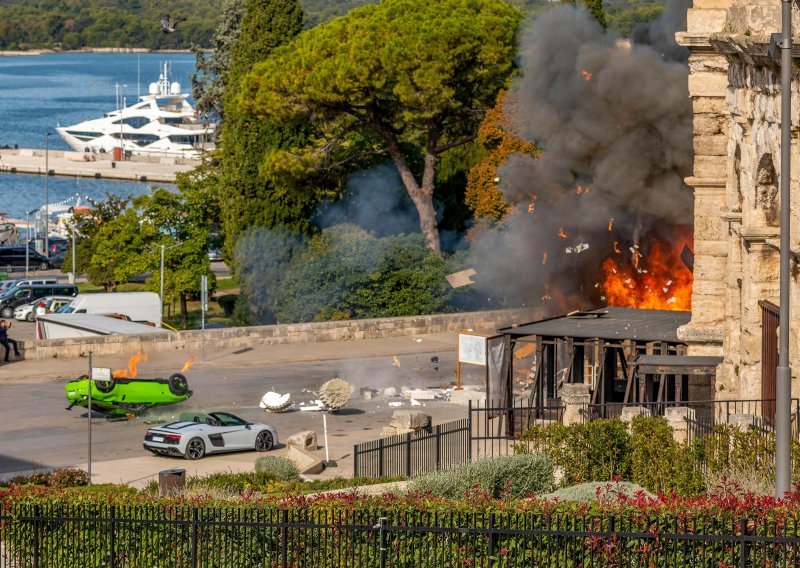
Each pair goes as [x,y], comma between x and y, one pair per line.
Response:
[276,468]
[603,491]
[661,464]
[508,476]
[61,478]
[583,452]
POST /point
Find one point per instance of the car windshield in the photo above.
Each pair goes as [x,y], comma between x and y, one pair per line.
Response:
[228,419]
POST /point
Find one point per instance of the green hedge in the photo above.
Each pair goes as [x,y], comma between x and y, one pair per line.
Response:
[645,453]
[51,528]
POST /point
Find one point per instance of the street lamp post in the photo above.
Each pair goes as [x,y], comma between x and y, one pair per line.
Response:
[46,194]
[783,378]
[28,239]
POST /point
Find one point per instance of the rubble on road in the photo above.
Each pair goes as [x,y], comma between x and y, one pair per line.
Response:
[335,393]
[275,402]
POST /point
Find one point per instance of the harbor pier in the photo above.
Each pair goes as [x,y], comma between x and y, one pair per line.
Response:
[159,169]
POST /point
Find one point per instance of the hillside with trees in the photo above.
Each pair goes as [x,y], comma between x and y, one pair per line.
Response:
[77,24]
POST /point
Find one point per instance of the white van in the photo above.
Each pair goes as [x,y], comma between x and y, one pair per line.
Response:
[142,307]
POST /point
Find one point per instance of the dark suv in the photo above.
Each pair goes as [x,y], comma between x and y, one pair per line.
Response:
[11,257]
[27,294]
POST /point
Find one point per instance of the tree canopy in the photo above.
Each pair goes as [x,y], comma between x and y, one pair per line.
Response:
[406,78]
[247,196]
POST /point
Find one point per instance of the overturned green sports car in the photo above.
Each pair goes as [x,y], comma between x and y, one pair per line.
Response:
[121,396]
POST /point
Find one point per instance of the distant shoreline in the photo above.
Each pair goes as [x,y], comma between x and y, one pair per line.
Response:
[33,52]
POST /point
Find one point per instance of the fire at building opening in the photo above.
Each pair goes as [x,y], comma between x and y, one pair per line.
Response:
[615,117]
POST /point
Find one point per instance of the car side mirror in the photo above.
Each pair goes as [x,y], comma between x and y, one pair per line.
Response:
[248,425]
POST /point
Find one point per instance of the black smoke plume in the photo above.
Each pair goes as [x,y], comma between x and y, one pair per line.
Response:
[613,120]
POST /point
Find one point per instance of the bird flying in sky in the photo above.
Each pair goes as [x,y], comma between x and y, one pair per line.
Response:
[168,26]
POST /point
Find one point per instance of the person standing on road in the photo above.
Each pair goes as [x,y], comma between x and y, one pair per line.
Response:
[5,340]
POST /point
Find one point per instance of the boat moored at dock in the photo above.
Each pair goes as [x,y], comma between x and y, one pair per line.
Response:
[162,123]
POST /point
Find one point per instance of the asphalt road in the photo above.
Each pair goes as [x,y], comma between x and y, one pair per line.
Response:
[37,432]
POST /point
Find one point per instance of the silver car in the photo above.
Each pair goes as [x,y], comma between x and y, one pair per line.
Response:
[195,435]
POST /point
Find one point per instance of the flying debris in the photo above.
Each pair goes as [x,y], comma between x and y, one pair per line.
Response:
[579,248]
[168,26]
[462,278]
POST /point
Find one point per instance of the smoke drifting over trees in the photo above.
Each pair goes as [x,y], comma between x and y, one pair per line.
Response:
[614,123]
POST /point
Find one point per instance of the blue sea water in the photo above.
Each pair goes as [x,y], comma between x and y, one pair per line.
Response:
[39,92]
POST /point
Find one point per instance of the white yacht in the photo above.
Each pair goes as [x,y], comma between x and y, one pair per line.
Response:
[162,123]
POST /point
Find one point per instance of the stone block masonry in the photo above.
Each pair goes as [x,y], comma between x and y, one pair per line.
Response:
[243,337]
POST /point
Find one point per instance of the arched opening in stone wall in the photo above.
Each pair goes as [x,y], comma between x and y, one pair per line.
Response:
[767,190]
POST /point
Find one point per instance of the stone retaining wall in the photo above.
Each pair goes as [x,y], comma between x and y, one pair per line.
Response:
[241,337]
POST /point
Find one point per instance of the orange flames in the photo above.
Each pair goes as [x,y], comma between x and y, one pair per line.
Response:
[611,225]
[188,364]
[130,372]
[544,258]
[586,75]
[579,190]
[658,280]
[561,233]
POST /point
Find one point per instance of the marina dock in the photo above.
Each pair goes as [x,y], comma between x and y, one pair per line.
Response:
[94,165]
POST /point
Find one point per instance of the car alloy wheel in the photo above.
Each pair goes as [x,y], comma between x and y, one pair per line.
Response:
[7,313]
[195,449]
[264,441]
[30,316]
[44,266]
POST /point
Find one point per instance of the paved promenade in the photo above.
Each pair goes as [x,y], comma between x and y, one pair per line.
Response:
[73,164]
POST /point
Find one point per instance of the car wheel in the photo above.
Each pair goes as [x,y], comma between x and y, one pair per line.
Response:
[7,312]
[44,266]
[105,386]
[178,385]
[195,449]
[264,441]
[30,316]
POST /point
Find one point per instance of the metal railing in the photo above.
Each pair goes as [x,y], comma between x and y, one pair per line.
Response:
[497,426]
[68,535]
[435,449]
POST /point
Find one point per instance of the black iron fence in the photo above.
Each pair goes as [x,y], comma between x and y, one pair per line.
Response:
[67,536]
[434,449]
[497,426]
[493,427]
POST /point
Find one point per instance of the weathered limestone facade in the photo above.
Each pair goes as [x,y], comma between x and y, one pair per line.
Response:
[735,91]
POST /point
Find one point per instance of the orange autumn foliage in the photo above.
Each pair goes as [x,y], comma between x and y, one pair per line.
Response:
[496,134]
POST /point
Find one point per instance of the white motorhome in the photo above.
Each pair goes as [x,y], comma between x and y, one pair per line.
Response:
[142,307]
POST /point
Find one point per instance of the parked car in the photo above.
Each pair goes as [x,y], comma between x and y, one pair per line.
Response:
[14,257]
[215,255]
[36,281]
[46,305]
[121,396]
[57,246]
[142,307]
[6,285]
[26,294]
[195,435]
[57,260]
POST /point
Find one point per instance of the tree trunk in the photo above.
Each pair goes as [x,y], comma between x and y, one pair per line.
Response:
[421,195]
[184,312]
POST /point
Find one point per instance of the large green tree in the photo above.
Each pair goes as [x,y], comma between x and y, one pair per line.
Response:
[211,69]
[406,78]
[248,196]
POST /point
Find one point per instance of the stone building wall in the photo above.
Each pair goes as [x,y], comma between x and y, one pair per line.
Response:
[735,90]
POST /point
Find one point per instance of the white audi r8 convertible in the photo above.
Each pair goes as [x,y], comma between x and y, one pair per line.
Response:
[195,435]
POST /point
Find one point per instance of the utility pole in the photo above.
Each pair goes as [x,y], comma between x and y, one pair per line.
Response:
[783,375]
